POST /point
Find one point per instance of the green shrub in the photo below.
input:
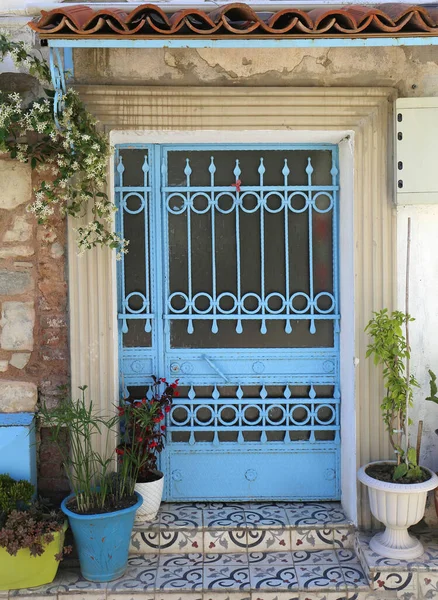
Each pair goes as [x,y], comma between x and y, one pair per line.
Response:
[14,495]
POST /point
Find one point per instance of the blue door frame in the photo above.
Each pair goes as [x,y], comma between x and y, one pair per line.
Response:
[228,243]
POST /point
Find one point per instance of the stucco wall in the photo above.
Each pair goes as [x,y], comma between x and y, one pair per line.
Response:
[413,71]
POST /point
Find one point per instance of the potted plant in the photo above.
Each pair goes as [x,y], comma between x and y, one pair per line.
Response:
[397,489]
[143,437]
[102,506]
[31,537]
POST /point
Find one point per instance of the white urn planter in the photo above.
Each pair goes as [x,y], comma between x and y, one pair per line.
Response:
[152,493]
[398,506]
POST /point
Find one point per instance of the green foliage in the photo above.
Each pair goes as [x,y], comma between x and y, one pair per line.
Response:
[433,388]
[14,495]
[389,349]
[89,471]
[72,159]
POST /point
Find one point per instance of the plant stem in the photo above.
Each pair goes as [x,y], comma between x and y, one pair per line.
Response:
[408,374]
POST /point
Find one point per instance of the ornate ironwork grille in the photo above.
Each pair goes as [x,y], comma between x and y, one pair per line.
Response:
[231,285]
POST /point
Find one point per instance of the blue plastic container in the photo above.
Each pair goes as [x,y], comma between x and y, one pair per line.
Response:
[102,540]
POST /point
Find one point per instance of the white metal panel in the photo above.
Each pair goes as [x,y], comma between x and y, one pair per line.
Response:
[416,150]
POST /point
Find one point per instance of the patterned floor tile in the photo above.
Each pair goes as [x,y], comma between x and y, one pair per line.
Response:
[354,576]
[338,595]
[141,595]
[272,540]
[428,583]
[264,595]
[343,537]
[234,558]
[225,541]
[270,577]
[314,577]
[270,558]
[145,542]
[164,595]
[181,540]
[234,595]
[222,518]
[184,518]
[312,539]
[266,518]
[136,578]
[347,555]
[226,578]
[315,513]
[429,560]
[179,578]
[171,561]
[316,557]
[65,579]
[391,581]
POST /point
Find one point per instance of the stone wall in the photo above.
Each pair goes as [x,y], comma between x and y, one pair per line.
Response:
[34,356]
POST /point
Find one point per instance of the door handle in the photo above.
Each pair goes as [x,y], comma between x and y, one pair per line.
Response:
[215,368]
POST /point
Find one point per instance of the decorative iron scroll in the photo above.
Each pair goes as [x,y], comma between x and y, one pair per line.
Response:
[189,200]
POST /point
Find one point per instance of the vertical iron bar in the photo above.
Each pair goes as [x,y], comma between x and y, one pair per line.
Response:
[120,170]
[145,168]
[239,327]
[212,169]
[261,171]
[309,171]
[312,396]
[286,171]
[187,172]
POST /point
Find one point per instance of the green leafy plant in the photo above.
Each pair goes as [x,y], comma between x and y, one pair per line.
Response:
[71,156]
[389,349]
[90,473]
[26,524]
[433,388]
[143,431]
[14,495]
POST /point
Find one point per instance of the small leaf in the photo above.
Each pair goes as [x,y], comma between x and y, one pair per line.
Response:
[400,471]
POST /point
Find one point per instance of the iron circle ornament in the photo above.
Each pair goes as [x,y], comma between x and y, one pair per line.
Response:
[322,195]
[176,210]
[319,297]
[137,366]
[187,368]
[222,297]
[230,196]
[328,366]
[272,296]
[196,197]
[132,295]
[201,296]
[251,475]
[246,195]
[294,195]
[180,295]
[127,197]
[251,311]
[294,297]
[268,197]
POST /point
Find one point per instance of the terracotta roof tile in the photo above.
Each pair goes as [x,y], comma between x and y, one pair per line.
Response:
[238,19]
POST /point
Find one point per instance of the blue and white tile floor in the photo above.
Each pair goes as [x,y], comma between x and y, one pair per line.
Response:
[266,551]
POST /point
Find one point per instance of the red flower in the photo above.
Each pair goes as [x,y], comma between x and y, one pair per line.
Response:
[174,385]
[163,427]
[139,439]
[163,380]
[167,409]
[157,419]
[144,401]
[153,444]
[120,451]
[121,411]
[176,394]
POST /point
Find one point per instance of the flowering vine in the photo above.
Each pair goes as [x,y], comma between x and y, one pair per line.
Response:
[71,159]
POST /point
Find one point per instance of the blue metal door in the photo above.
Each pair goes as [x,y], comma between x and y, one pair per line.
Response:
[231,285]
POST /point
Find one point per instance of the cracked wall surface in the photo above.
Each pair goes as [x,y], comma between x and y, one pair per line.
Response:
[412,71]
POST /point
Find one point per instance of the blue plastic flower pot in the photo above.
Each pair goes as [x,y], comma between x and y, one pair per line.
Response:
[102,540]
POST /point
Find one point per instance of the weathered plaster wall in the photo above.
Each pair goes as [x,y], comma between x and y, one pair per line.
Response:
[423,307]
[34,357]
[413,71]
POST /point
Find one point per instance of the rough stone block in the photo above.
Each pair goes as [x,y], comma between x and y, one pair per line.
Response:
[16,185]
[17,323]
[3,366]
[20,231]
[20,359]
[13,282]
[17,396]
[16,250]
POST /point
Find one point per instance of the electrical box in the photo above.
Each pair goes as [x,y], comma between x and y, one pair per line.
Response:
[416,150]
